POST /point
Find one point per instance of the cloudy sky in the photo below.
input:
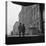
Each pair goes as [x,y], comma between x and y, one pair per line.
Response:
[13,11]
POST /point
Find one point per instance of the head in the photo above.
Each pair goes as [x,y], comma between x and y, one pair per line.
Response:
[23,24]
[20,23]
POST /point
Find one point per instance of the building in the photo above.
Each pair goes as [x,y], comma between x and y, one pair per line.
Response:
[30,16]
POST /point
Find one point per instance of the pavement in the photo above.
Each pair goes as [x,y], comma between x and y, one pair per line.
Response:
[24,40]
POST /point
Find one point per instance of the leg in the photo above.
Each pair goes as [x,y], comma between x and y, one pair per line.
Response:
[19,34]
[23,33]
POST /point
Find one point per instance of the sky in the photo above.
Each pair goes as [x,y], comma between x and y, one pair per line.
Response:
[13,11]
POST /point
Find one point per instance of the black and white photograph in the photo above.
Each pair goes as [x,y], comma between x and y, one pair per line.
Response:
[25,22]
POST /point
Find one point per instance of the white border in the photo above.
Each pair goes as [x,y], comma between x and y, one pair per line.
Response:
[2,23]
